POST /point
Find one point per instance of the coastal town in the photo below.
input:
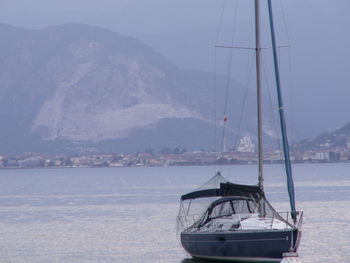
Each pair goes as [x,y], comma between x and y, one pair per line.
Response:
[244,153]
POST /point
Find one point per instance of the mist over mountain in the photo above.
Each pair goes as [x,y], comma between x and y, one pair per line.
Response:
[185,32]
[78,87]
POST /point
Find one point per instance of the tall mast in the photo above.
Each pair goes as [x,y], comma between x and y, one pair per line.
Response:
[288,166]
[258,88]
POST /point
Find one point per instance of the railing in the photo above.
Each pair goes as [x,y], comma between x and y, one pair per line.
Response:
[287,217]
[186,222]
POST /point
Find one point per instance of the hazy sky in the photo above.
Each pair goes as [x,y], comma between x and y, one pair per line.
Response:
[184,31]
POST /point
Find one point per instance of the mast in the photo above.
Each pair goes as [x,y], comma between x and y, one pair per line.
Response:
[258,88]
[288,166]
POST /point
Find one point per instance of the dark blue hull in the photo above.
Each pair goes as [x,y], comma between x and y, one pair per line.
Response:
[241,246]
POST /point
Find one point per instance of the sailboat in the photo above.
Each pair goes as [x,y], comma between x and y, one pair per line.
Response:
[239,224]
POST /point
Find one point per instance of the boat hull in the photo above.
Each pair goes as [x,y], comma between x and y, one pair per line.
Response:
[240,246]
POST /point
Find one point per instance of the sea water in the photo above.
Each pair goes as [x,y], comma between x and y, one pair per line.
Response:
[129,214]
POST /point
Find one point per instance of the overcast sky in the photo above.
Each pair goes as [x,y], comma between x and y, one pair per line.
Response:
[184,31]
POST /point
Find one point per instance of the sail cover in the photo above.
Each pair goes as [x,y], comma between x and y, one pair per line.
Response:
[226,189]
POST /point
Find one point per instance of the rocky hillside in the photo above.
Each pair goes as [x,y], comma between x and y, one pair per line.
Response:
[73,85]
[340,138]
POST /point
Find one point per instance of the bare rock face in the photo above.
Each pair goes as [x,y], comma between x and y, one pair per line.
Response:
[89,84]
[78,84]
[98,100]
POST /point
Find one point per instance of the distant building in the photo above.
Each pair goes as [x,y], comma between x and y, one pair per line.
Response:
[334,156]
[348,145]
[246,145]
[308,156]
[322,156]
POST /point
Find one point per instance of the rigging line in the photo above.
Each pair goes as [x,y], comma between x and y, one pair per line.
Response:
[228,78]
[236,47]
[215,76]
[249,48]
[245,96]
[220,22]
[249,72]
[215,102]
[274,122]
[290,85]
[279,142]
[279,137]
[285,22]
[294,131]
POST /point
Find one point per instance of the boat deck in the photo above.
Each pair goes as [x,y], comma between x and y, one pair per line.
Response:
[243,222]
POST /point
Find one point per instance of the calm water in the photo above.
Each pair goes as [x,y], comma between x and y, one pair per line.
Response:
[128,215]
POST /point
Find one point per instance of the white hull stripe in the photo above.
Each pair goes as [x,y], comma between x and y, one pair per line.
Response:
[228,241]
[239,259]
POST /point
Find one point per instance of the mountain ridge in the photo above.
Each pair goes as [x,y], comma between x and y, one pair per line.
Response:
[77,82]
[340,138]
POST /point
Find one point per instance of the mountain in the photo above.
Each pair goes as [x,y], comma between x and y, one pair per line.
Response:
[339,138]
[76,87]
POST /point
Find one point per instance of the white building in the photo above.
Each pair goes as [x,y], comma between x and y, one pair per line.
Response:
[246,145]
[322,156]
